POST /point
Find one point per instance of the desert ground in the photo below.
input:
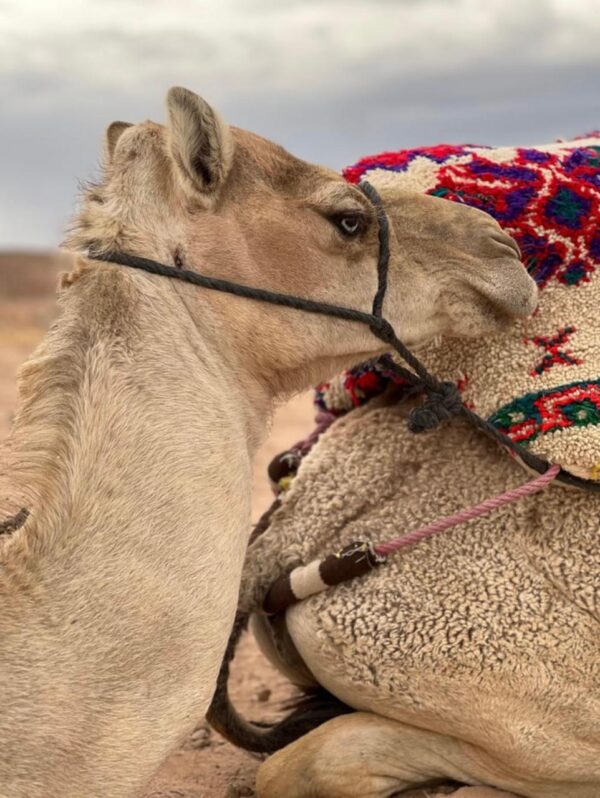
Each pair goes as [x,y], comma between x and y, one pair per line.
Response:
[206,766]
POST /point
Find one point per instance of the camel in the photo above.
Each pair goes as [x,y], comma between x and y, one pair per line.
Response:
[472,657]
[140,412]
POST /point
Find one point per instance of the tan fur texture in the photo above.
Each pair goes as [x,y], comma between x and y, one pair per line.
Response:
[485,637]
[140,413]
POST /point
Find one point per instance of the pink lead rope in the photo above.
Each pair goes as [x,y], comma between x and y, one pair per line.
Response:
[487,506]
[359,558]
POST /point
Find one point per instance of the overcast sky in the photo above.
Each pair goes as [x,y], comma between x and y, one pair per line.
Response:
[331,80]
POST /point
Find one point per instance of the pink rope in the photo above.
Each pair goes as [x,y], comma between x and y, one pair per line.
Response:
[487,506]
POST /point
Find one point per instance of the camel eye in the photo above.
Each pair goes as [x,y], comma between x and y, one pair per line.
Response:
[349,224]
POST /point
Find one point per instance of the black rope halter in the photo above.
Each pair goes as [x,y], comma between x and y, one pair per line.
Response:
[442,399]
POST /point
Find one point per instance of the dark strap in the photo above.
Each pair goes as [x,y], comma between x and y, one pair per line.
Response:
[443,398]
[237,289]
[383,260]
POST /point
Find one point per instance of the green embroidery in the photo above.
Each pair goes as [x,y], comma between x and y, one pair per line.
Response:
[535,414]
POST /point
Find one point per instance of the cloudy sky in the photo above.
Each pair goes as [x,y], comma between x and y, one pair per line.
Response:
[329,79]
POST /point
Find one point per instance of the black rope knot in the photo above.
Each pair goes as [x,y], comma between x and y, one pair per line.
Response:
[439,406]
[383,330]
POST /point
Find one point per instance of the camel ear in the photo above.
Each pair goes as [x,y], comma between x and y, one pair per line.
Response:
[112,135]
[201,143]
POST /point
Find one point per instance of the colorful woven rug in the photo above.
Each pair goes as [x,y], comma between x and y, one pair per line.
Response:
[540,382]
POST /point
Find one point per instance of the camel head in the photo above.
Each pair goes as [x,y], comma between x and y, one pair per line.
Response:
[199,194]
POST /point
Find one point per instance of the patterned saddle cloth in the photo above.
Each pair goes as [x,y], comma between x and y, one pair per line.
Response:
[540,382]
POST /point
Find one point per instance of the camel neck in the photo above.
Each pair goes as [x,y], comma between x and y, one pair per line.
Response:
[119,591]
[130,424]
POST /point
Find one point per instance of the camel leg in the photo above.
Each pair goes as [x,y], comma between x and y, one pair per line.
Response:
[481,792]
[368,756]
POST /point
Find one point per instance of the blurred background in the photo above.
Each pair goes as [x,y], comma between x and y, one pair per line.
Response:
[331,80]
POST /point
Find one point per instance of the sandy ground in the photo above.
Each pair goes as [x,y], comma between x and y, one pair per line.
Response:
[206,766]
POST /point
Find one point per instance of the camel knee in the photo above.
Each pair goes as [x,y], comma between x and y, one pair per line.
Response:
[482,792]
[350,756]
[362,755]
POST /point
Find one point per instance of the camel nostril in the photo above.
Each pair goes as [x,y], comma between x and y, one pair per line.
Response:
[507,241]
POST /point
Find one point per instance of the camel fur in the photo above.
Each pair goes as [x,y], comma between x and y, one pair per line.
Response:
[140,412]
[485,637]
[473,656]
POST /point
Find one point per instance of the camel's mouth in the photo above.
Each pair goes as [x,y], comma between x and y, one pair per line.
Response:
[481,305]
[509,294]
